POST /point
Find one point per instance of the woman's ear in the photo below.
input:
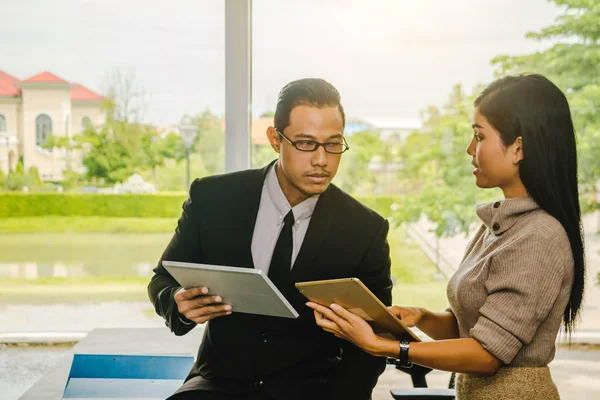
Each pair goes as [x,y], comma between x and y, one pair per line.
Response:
[518,150]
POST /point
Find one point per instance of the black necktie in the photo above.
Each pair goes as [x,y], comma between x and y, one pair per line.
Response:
[281,262]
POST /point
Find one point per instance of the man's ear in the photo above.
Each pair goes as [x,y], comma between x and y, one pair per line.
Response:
[274,139]
[518,150]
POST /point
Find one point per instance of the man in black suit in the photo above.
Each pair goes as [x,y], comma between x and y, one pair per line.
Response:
[288,220]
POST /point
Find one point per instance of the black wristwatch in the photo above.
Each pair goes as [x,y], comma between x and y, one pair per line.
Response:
[404,347]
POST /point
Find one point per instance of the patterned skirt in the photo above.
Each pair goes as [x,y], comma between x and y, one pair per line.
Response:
[508,384]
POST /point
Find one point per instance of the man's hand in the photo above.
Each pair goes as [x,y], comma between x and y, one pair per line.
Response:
[196,306]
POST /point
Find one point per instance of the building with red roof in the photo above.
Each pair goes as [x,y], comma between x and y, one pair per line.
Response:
[33,110]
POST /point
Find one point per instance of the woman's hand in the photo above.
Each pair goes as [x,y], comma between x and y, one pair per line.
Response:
[346,325]
[411,316]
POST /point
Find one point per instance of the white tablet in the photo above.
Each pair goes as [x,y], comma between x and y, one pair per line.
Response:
[248,290]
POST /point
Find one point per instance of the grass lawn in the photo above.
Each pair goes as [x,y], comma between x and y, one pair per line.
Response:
[415,276]
[72,290]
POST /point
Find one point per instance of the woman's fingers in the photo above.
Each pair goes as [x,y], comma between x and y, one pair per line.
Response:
[410,316]
[338,334]
[330,326]
[342,312]
[327,325]
[396,310]
[327,313]
[340,322]
[324,322]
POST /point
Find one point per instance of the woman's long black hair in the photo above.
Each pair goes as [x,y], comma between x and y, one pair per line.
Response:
[532,107]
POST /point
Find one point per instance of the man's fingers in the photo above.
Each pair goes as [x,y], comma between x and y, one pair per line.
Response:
[198,302]
[188,294]
[206,300]
[207,310]
[206,318]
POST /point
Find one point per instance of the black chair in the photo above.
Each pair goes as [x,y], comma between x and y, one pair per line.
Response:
[420,391]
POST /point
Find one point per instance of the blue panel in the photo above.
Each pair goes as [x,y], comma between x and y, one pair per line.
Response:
[83,388]
[130,366]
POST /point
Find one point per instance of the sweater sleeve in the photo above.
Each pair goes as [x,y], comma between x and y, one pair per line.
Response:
[523,284]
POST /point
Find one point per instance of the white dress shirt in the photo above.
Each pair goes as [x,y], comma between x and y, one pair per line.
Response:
[269,221]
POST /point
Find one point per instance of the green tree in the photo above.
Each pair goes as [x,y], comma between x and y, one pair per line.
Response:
[353,174]
[262,154]
[70,145]
[210,140]
[109,154]
[573,64]
[156,150]
[437,169]
[123,145]
[121,148]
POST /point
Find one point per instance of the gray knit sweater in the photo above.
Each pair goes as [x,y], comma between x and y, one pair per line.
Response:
[513,284]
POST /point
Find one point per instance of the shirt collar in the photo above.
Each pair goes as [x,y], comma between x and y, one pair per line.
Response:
[499,216]
[301,211]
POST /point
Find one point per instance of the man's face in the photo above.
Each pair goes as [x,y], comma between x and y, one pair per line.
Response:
[305,174]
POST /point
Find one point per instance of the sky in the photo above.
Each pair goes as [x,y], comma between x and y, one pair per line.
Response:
[388,58]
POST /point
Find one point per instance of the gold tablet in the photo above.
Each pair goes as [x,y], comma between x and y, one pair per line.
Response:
[354,296]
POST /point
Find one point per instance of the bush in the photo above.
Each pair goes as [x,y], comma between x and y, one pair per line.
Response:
[71,179]
[33,178]
[16,178]
[103,205]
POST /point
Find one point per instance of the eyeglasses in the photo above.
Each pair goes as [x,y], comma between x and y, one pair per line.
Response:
[313,145]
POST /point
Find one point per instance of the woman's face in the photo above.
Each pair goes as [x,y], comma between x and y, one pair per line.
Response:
[496,165]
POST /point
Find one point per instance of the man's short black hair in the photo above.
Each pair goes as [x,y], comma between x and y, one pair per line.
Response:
[310,92]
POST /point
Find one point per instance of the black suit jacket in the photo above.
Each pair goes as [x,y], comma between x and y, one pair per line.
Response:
[285,358]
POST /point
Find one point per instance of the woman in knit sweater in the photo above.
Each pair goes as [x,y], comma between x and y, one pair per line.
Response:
[522,275]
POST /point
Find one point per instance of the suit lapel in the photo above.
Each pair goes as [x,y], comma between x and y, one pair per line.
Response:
[318,229]
[248,213]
